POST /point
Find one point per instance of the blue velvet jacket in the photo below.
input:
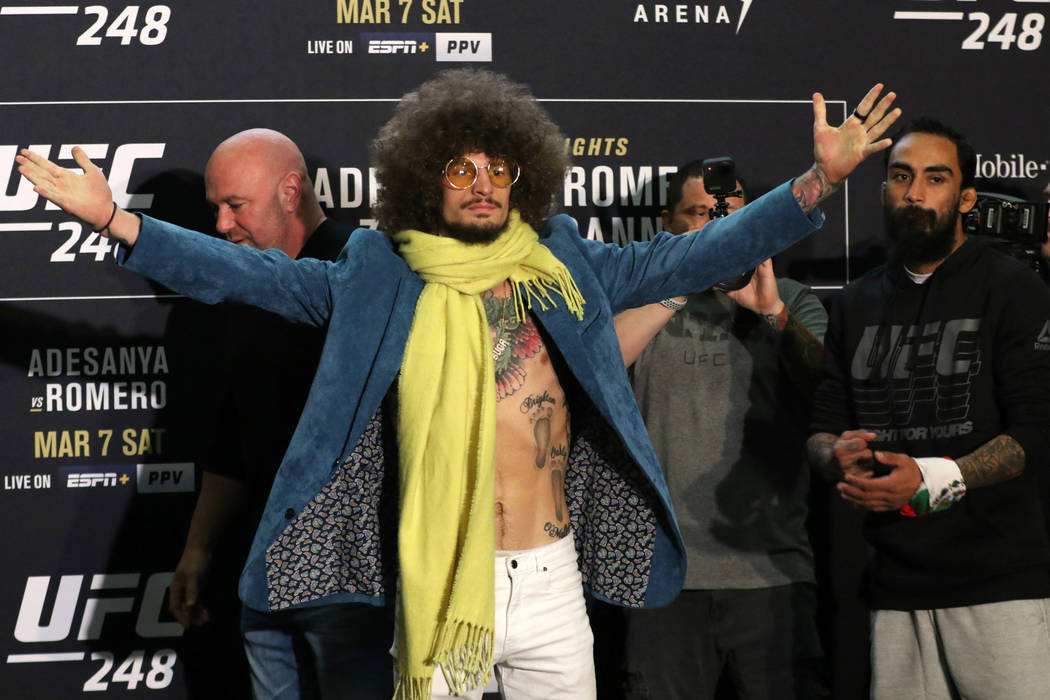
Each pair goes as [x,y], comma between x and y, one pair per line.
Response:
[328,534]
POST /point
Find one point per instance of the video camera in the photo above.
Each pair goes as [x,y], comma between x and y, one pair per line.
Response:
[720,182]
[1017,227]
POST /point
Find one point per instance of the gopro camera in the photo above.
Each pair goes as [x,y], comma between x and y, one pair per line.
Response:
[720,182]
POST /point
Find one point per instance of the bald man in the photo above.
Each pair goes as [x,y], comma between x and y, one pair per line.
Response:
[258,183]
[256,179]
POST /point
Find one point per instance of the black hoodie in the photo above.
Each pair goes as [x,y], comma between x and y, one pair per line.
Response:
[937,370]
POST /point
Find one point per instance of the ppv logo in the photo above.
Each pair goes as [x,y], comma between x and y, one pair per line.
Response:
[166,478]
[392,44]
[146,603]
[463,47]
[118,167]
[79,478]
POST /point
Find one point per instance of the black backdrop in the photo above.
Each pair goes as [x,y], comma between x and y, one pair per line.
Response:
[100,393]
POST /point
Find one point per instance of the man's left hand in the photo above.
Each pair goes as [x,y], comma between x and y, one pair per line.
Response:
[761,294]
[883,493]
[838,150]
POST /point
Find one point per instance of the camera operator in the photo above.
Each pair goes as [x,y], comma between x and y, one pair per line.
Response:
[724,389]
[933,416]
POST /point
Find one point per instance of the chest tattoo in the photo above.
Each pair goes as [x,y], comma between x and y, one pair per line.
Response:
[513,342]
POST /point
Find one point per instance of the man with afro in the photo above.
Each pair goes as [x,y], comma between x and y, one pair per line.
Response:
[471,448]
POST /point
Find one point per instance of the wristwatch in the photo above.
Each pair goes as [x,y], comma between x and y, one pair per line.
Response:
[673,304]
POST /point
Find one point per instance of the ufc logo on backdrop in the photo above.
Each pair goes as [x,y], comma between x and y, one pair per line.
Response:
[118,172]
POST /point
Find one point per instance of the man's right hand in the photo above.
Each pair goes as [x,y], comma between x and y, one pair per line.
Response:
[86,196]
[184,594]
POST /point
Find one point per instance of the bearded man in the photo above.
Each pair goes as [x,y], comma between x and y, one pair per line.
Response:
[934,416]
[476,358]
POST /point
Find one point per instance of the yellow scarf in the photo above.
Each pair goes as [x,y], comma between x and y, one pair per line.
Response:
[446,436]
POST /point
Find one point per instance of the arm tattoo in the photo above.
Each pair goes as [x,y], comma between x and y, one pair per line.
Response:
[777,321]
[821,457]
[812,187]
[997,460]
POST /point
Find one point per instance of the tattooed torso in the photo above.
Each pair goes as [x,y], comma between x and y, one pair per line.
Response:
[532,430]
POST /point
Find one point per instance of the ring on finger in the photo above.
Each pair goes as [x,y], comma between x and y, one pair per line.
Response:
[861,117]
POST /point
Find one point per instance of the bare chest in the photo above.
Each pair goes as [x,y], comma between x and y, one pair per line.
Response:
[532,432]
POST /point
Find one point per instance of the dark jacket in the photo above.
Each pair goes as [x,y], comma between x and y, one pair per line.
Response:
[937,370]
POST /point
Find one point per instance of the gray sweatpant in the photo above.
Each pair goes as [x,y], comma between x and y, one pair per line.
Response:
[982,652]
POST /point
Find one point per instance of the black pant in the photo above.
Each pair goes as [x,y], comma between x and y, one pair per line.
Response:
[764,640]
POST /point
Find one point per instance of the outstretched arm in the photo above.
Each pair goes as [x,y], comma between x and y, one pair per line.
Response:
[202,267]
[636,327]
[838,150]
[86,196]
[641,273]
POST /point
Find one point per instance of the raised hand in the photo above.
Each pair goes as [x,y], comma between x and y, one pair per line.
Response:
[86,196]
[761,294]
[838,150]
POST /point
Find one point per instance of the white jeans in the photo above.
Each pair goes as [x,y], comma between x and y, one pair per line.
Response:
[543,642]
